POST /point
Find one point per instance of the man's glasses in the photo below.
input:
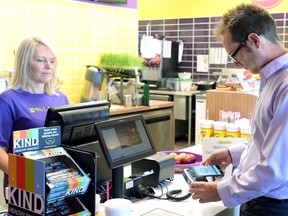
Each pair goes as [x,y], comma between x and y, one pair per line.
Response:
[233,54]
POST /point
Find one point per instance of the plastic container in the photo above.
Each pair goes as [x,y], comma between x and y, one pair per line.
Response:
[245,131]
[185,75]
[118,207]
[220,129]
[206,128]
[232,130]
[185,84]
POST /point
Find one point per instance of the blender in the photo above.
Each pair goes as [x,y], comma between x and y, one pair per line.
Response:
[92,84]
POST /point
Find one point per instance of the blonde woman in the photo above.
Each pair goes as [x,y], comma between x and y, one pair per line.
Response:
[24,105]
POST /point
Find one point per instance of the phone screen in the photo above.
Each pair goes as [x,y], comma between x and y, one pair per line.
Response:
[210,170]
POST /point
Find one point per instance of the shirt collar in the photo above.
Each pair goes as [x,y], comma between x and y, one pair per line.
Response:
[274,66]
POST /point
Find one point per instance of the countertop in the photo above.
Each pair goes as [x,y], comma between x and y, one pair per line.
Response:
[186,207]
[180,93]
[117,109]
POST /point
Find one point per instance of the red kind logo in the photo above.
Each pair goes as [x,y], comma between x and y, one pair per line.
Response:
[267,3]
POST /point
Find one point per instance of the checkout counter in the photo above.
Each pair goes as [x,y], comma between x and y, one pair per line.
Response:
[186,207]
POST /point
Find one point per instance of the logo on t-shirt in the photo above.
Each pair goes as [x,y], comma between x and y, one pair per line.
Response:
[38,109]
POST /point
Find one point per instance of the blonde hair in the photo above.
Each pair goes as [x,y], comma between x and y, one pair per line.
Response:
[23,64]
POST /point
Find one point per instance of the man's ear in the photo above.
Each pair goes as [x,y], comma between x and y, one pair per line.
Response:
[254,39]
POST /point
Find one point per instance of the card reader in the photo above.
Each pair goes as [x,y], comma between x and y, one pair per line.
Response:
[155,168]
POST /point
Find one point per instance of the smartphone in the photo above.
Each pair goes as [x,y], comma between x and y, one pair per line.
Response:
[199,173]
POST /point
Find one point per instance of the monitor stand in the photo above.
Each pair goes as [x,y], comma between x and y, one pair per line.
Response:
[118,182]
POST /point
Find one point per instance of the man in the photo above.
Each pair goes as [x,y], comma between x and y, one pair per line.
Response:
[260,179]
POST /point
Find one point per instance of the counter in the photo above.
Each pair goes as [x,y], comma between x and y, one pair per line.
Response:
[179,93]
[117,109]
[186,207]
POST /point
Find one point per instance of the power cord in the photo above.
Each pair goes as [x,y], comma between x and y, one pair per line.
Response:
[173,196]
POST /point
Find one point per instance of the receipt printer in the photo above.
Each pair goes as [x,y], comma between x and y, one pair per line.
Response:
[155,168]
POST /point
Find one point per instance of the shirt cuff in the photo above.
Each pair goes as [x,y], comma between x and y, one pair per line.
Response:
[225,194]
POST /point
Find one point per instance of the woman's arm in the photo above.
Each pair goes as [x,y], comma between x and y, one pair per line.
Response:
[3,160]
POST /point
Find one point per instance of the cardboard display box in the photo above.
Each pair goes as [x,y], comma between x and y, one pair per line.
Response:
[30,191]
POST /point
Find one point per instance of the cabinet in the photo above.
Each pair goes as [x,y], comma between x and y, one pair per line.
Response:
[236,101]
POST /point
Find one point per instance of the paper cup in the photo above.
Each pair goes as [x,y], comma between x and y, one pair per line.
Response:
[118,207]
[97,203]
[128,100]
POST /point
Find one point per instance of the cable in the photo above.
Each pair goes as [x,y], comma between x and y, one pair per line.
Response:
[173,196]
[101,190]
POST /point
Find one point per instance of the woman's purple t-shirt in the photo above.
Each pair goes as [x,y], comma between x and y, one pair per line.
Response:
[22,110]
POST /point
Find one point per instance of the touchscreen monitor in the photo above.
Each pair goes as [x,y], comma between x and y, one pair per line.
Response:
[124,140]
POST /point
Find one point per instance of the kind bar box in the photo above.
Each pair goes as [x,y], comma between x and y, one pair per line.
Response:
[63,176]
[27,190]
[41,172]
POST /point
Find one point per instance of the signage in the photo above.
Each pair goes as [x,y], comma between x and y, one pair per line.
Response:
[267,3]
[35,139]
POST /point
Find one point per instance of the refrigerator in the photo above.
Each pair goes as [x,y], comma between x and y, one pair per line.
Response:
[161,58]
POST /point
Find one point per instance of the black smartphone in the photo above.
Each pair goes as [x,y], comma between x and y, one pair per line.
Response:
[199,173]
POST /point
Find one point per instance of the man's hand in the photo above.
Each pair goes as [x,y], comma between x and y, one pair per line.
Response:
[204,191]
[222,158]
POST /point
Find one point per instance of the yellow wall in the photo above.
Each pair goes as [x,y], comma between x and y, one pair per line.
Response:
[165,9]
[79,32]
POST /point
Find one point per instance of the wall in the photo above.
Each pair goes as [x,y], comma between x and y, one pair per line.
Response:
[197,31]
[79,32]
[165,9]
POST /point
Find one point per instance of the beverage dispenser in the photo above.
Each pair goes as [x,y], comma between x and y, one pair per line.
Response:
[92,84]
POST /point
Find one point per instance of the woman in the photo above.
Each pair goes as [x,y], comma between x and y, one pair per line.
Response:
[32,92]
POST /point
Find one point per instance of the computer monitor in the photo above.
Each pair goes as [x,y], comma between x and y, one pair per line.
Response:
[123,141]
[77,120]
